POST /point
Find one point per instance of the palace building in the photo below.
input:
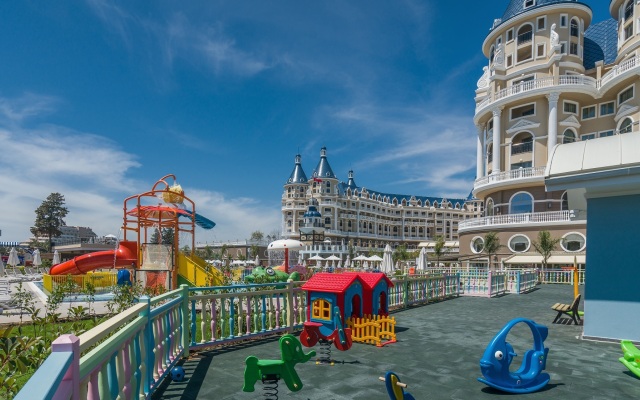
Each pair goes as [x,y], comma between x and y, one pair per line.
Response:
[553,76]
[329,214]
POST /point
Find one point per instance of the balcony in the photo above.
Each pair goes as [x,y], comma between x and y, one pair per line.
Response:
[515,219]
[525,38]
[503,177]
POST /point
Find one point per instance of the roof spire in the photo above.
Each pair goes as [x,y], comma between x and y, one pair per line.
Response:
[323,170]
[297,175]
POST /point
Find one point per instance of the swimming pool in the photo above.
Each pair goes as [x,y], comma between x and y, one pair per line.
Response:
[39,287]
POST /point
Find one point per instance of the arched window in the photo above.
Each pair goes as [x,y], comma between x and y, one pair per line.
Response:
[521,203]
[565,202]
[573,241]
[628,9]
[574,28]
[493,53]
[522,143]
[626,126]
[489,208]
[569,136]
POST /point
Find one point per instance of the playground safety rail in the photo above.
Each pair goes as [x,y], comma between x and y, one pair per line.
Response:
[415,289]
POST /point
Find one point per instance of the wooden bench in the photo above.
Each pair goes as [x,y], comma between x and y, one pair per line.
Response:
[569,309]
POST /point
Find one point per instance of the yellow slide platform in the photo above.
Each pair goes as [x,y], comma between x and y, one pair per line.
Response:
[196,271]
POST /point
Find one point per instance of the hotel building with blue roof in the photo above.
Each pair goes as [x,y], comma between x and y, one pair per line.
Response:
[343,212]
[553,76]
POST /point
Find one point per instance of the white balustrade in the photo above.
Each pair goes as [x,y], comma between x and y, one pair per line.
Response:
[524,218]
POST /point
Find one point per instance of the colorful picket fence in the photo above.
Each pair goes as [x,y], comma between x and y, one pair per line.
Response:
[373,329]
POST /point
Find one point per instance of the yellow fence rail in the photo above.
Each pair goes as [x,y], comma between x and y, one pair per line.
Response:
[101,281]
[372,329]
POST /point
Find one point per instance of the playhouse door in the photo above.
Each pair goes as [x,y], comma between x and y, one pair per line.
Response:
[382,307]
[356,311]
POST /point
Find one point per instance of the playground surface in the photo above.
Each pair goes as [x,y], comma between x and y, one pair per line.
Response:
[437,354]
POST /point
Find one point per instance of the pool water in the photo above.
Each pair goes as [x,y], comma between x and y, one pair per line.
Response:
[74,298]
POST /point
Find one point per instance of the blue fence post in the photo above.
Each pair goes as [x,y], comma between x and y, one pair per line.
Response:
[70,343]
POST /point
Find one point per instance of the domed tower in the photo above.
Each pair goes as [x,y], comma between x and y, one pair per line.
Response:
[312,227]
[324,188]
[551,77]
[294,199]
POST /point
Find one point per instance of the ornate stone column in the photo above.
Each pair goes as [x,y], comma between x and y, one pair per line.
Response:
[495,167]
[552,138]
[480,152]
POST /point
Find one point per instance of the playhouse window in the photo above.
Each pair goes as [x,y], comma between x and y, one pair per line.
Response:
[321,309]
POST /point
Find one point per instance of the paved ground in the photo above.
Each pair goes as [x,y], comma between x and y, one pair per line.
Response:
[437,355]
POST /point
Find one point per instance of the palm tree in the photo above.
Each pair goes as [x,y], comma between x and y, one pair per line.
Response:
[545,245]
[439,250]
[491,245]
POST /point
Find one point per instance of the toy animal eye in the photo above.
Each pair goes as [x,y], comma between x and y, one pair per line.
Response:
[499,355]
[270,271]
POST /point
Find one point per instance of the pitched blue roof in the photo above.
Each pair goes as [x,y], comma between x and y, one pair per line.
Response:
[342,188]
[601,43]
[297,175]
[516,7]
[323,170]
[351,183]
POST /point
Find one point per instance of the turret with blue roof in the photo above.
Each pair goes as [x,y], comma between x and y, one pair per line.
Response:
[297,175]
[323,170]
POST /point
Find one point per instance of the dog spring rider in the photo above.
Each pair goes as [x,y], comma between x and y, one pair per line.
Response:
[395,388]
[271,371]
[498,356]
[631,357]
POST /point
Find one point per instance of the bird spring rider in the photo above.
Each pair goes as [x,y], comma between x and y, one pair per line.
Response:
[499,354]
[630,357]
[271,371]
[395,388]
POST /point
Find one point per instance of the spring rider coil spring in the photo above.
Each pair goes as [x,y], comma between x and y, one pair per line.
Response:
[270,386]
[324,352]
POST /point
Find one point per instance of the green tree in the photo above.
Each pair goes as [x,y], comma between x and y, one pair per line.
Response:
[401,254]
[257,236]
[50,218]
[545,245]
[439,249]
[167,236]
[491,245]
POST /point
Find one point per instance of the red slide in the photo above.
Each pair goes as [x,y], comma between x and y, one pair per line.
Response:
[125,255]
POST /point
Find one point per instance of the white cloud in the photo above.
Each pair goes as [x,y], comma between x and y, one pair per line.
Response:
[95,175]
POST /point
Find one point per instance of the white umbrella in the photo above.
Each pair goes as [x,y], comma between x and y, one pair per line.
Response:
[360,258]
[1,267]
[56,258]
[13,257]
[37,260]
[387,260]
[257,261]
[365,265]
[422,260]
[347,262]
[316,258]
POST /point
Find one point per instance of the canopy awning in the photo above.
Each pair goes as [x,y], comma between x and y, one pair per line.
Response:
[567,259]
[524,259]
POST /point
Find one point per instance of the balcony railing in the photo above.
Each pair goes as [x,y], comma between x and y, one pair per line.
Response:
[525,37]
[509,219]
[519,148]
[519,173]
[619,69]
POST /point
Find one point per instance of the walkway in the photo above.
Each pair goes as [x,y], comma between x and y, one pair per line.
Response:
[437,355]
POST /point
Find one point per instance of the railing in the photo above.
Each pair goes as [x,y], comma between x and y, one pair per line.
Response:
[519,148]
[525,37]
[519,173]
[524,218]
[560,276]
[102,282]
[619,69]
[421,289]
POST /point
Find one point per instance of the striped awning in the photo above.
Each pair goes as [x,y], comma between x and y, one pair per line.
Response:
[9,244]
[537,259]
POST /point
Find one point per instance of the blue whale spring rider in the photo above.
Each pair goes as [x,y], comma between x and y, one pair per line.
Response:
[498,356]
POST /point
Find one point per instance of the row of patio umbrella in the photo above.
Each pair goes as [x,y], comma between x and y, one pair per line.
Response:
[386,262]
[13,260]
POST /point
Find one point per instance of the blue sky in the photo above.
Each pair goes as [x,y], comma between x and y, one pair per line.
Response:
[99,99]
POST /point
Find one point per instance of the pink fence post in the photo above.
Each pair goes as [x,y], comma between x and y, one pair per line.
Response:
[70,343]
[489,282]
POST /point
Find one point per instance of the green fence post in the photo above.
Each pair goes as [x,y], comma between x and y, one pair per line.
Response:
[405,290]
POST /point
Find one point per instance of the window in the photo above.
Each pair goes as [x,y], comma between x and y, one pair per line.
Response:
[573,49]
[628,31]
[489,208]
[570,107]
[524,164]
[626,126]
[477,244]
[529,3]
[522,146]
[607,108]
[563,20]
[588,112]
[521,203]
[509,35]
[565,202]
[321,309]
[519,244]
[569,136]
[540,50]
[606,133]
[509,61]
[625,95]
[563,47]
[588,136]
[573,242]
[574,28]
[628,10]
[523,111]
[542,23]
